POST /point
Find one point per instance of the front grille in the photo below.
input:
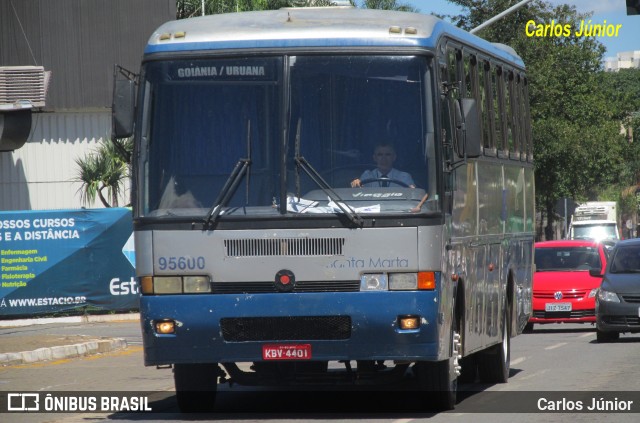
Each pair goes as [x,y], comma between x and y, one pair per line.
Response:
[298,247]
[269,287]
[290,328]
[631,298]
[541,314]
[630,320]
[566,295]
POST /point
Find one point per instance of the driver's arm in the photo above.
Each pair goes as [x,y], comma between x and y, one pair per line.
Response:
[357,183]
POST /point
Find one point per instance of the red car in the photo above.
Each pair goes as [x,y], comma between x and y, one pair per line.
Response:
[567,278]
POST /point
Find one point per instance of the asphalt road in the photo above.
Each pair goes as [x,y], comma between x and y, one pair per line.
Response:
[554,367]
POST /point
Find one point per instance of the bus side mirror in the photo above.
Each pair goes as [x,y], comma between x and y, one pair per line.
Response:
[123,108]
[471,133]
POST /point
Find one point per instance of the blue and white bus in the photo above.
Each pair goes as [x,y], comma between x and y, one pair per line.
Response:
[260,259]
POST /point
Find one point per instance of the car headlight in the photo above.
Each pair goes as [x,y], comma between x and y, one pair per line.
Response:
[608,296]
[593,292]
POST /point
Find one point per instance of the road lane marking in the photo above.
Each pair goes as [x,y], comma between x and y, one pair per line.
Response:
[584,335]
[553,347]
[518,360]
[530,376]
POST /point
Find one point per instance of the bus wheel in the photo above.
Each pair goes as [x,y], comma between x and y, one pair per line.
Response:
[196,386]
[493,366]
[469,369]
[440,378]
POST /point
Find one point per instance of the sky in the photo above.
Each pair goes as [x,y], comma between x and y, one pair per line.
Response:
[614,11]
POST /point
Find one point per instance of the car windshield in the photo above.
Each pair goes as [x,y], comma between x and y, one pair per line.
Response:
[241,136]
[566,258]
[626,260]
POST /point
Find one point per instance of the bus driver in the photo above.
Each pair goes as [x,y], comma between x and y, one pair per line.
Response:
[384,175]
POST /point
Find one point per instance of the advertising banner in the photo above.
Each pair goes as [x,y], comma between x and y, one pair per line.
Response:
[60,260]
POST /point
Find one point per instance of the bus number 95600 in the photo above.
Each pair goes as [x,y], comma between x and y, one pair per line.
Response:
[181,263]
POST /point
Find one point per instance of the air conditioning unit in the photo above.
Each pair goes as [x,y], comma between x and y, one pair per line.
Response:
[23,87]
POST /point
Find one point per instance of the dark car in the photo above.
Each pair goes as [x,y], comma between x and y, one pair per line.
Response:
[618,299]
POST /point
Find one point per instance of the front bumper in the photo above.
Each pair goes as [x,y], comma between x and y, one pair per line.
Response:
[373,332]
[582,311]
[617,317]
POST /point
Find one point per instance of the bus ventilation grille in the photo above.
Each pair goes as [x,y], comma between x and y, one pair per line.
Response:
[288,328]
[284,247]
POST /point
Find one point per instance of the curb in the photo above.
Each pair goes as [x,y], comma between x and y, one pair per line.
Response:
[67,351]
[64,351]
[128,317]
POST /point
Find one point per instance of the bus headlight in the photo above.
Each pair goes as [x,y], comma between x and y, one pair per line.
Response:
[373,282]
[409,322]
[403,281]
[167,285]
[165,327]
[412,281]
[163,285]
[196,284]
[398,281]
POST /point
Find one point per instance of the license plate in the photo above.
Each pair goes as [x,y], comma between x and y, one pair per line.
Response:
[557,307]
[286,352]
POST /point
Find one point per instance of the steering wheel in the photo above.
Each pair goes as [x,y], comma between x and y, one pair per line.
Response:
[389,180]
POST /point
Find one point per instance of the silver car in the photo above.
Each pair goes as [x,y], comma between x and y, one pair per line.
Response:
[618,299]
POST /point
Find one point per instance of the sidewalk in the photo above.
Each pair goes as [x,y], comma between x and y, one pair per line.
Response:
[26,347]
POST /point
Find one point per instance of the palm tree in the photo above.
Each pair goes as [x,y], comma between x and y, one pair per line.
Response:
[107,168]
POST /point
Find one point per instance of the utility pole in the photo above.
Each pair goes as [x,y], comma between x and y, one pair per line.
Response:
[500,16]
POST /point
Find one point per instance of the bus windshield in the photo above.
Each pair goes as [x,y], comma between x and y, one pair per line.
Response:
[239,136]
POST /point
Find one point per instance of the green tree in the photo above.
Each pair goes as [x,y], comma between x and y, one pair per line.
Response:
[578,149]
[107,168]
[622,90]
[191,8]
[388,5]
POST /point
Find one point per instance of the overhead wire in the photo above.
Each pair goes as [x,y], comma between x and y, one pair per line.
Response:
[15,12]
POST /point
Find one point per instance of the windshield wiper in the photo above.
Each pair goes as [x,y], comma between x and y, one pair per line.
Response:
[231,185]
[303,164]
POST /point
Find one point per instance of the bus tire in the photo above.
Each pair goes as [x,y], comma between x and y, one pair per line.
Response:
[196,386]
[494,364]
[469,369]
[440,379]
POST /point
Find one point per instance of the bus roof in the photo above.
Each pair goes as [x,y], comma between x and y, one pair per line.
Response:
[314,27]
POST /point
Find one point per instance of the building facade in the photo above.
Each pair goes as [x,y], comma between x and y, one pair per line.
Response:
[73,47]
[623,60]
